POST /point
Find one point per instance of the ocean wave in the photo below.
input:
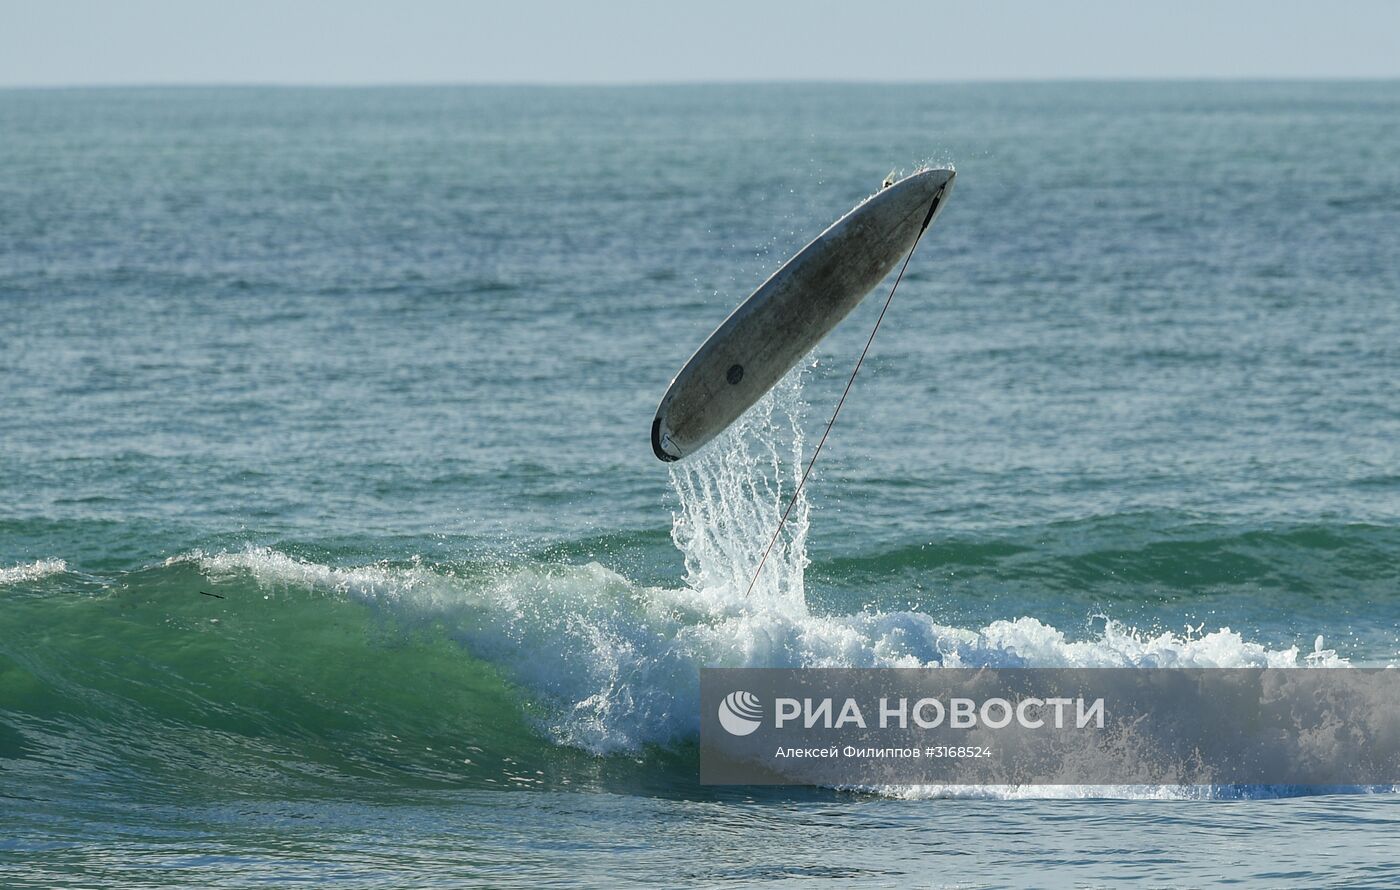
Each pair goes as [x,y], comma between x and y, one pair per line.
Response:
[497,672]
[299,672]
[608,666]
[1165,550]
[26,572]
[615,665]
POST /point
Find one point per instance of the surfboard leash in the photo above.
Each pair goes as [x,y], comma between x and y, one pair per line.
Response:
[928,218]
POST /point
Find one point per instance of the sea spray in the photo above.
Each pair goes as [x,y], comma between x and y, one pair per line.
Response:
[731,496]
[31,571]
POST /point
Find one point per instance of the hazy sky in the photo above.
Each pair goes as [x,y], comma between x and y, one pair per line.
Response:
[62,42]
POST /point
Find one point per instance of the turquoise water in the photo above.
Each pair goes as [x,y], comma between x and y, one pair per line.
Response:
[332,546]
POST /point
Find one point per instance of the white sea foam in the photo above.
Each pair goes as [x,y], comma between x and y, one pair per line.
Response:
[32,571]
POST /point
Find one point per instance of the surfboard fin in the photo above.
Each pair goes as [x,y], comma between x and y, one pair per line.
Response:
[657,447]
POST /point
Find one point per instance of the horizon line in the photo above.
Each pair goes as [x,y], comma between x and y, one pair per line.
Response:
[717,82]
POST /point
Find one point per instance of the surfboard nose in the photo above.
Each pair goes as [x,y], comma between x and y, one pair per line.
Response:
[932,187]
[934,181]
[922,192]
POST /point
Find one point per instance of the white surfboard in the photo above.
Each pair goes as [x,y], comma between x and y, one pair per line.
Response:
[792,311]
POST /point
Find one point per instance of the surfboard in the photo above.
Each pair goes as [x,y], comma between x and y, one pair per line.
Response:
[792,311]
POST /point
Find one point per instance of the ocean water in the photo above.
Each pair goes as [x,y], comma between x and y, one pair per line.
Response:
[332,547]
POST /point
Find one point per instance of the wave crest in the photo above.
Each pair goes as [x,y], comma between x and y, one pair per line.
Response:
[33,571]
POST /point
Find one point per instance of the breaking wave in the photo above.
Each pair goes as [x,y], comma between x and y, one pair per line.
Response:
[528,673]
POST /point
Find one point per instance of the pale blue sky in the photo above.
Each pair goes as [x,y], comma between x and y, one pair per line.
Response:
[66,42]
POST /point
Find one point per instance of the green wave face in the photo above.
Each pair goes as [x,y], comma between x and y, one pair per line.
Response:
[251,688]
[283,687]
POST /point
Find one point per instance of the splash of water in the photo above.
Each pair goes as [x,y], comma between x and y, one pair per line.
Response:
[33,571]
[731,496]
